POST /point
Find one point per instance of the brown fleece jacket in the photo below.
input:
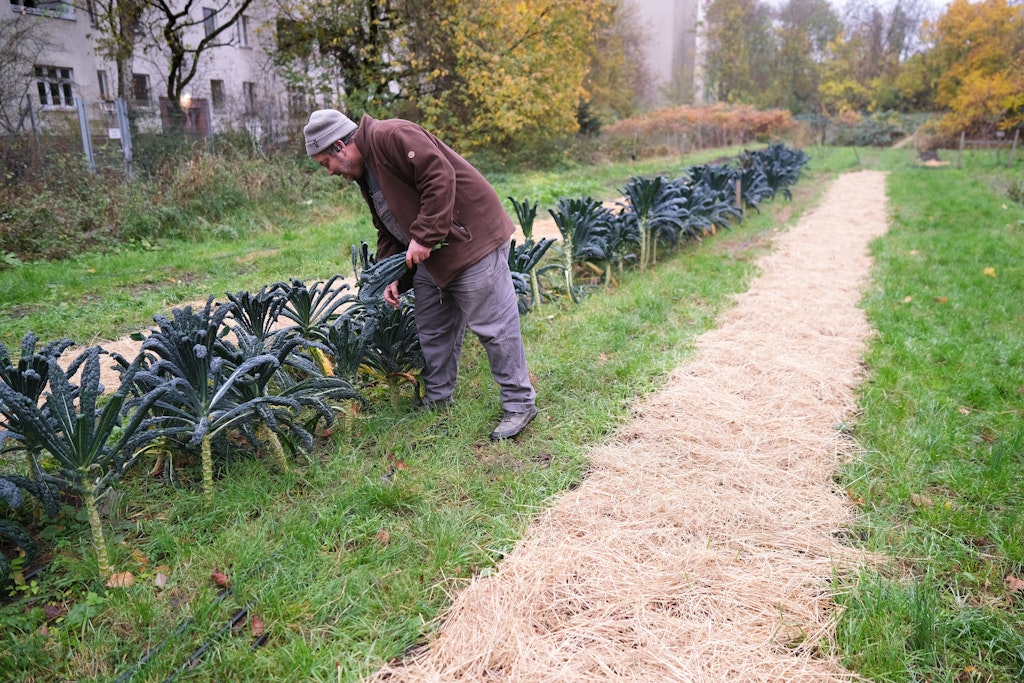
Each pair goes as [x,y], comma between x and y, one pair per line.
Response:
[437,197]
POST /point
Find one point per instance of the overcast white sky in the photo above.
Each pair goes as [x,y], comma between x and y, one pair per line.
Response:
[936,5]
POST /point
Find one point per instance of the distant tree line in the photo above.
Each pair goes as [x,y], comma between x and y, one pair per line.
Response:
[810,58]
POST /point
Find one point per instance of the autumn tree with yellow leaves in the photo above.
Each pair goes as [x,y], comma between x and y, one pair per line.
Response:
[490,73]
[513,69]
[979,52]
[867,60]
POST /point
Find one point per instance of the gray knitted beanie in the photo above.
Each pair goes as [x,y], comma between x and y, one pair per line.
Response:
[325,127]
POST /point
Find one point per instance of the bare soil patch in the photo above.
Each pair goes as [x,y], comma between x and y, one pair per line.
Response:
[702,545]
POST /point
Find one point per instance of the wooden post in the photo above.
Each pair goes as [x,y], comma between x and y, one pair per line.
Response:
[739,195]
[1013,149]
[960,154]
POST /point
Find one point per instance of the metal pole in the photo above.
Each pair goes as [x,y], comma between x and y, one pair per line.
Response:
[126,136]
[83,124]
[270,123]
[35,128]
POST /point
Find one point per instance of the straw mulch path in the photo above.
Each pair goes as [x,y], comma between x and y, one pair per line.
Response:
[702,544]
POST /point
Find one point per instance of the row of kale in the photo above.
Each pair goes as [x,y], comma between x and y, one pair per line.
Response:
[271,369]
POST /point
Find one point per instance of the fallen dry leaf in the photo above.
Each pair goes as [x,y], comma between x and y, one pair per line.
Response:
[140,557]
[256,624]
[1013,584]
[52,612]
[964,410]
[990,272]
[383,537]
[941,299]
[907,299]
[122,580]
[160,580]
[220,578]
[920,501]
[967,674]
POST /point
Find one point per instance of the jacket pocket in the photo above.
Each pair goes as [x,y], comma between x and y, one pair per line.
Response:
[462,231]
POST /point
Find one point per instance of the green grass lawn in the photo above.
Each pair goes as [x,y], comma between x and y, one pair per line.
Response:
[941,481]
[348,557]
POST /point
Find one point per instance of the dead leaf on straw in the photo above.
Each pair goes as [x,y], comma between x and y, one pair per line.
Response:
[122,580]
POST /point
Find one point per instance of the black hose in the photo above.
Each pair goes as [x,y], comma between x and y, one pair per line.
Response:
[197,655]
[182,627]
[123,678]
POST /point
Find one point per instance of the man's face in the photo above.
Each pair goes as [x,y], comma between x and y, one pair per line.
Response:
[346,161]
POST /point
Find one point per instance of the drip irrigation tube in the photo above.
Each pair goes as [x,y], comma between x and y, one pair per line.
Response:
[198,654]
[182,627]
[187,623]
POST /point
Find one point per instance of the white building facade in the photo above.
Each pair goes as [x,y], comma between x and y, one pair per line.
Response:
[235,85]
[673,49]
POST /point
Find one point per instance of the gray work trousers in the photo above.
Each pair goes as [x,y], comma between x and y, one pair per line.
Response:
[483,298]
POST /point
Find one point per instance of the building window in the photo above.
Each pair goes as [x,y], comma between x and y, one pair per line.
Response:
[243,31]
[217,95]
[62,9]
[104,83]
[249,97]
[140,89]
[209,21]
[55,86]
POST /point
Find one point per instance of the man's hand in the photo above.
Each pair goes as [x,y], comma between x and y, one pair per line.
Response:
[391,294]
[416,253]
